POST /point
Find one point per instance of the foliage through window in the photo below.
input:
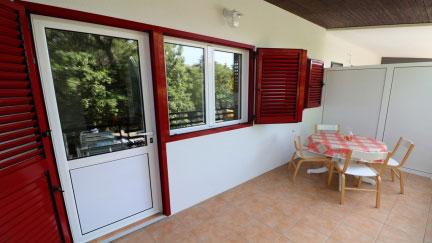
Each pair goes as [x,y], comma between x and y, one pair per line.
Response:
[185,78]
[205,86]
[97,84]
[227,83]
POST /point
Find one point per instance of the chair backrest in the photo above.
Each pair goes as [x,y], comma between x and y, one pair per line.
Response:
[403,146]
[298,146]
[368,157]
[326,128]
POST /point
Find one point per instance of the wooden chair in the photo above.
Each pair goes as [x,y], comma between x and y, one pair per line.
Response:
[351,166]
[327,128]
[303,156]
[395,165]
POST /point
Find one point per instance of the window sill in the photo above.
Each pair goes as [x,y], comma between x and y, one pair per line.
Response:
[209,131]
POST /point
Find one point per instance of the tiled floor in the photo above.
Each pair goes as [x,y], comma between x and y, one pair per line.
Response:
[271,208]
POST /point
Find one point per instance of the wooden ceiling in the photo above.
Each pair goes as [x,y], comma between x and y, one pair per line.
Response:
[359,13]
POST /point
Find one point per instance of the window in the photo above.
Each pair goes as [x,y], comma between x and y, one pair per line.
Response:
[98,92]
[207,85]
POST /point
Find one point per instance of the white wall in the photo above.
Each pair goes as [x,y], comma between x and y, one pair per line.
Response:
[392,41]
[205,166]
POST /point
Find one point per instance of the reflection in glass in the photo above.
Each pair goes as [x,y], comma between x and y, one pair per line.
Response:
[97,85]
[185,79]
[227,85]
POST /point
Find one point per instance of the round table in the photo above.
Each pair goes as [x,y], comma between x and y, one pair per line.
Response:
[335,145]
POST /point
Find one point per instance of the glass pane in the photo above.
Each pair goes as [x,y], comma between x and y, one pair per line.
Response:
[185,78]
[227,85]
[97,84]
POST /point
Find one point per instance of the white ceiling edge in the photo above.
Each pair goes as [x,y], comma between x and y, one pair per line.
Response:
[391,41]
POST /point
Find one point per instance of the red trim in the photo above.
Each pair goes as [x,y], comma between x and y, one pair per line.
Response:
[42,9]
[158,72]
[251,94]
[177,137]
[161,112]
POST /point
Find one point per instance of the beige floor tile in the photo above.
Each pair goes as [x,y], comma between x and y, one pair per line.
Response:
[412,226]
[390,234]
[346,233]
[428,234]
[365,225]
[271,208]
[324,225]
[305,233]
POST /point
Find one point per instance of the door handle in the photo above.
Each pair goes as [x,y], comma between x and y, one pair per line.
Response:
[149,135]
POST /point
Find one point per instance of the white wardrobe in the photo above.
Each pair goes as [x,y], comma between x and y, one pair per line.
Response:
[384,102]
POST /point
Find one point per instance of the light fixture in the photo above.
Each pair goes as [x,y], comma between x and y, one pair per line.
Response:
[232,17]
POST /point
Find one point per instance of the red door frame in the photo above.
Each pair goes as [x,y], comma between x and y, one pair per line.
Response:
[158,72]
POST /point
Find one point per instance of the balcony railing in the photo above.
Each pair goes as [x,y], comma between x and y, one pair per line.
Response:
[194,118]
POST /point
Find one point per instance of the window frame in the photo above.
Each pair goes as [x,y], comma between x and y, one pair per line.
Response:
[210,85]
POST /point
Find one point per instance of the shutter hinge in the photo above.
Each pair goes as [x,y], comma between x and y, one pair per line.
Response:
[57,189]
[45,134]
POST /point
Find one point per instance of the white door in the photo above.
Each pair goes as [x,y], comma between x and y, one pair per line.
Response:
[98,94]
[409,114]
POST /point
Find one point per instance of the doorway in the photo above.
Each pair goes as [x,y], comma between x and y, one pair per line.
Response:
[97,87]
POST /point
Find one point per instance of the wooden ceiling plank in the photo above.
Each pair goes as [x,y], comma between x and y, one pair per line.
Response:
[353,13]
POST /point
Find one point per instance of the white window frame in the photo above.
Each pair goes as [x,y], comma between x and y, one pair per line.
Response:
[209,85]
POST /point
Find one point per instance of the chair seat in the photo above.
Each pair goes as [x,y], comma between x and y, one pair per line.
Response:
[357,169]
[393,162]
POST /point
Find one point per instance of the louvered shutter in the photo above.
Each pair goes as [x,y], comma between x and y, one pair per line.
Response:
[20,138]
[28,208]
[280,81]
[314,83]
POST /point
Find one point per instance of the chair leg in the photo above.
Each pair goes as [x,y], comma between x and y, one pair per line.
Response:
[299,163]
[401,180]
[330,174]
[378,192]
[292,161]
[293,156]
[342,194]
[392,174]
[359,181]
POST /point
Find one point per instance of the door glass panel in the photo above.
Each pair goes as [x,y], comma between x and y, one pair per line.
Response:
[227,85]
[97,84]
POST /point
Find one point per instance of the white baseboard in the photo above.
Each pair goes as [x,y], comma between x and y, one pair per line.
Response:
[417,172]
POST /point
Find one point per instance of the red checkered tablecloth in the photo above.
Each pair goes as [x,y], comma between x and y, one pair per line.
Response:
[335,145]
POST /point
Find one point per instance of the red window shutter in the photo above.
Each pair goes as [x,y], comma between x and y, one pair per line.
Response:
[20,137]
[314,83]
[30,210]
[280,85]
